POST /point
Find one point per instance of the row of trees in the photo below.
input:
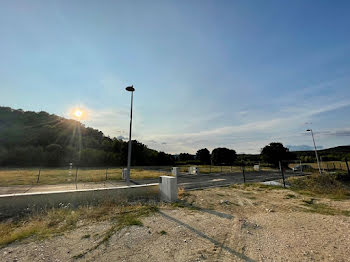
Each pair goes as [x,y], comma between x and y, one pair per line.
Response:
[271,154]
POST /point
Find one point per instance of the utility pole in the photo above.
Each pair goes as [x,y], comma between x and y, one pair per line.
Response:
[313,139]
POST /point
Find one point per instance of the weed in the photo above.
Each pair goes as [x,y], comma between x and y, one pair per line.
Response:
[163,232]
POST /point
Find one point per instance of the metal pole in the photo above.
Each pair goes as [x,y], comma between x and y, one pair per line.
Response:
[129,149]
[347,166]
[243,174]
[318,162]
[106,172]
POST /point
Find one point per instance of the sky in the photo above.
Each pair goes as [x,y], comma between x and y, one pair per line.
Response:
[235,74]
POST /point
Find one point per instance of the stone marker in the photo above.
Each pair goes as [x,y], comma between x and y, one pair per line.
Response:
[168,188]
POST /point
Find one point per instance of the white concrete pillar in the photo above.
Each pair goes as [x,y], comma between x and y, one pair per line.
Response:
[175,171]
[168,188]
[124,173]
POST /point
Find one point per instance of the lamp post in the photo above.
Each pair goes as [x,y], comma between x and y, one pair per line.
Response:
[313,139]
[130,89]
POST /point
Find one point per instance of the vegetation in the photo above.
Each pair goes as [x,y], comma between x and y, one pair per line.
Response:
[330,185]
[203,155]
[57,221]
[52,176]
[223,156]
[276,152]
[40,139]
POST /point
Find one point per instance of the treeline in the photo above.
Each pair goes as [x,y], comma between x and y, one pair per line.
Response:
[42,139]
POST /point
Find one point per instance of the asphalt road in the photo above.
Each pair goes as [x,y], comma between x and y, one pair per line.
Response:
[216,179]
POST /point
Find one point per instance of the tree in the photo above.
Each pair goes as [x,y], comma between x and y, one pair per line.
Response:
[223,156]
[203,155]
[275,152]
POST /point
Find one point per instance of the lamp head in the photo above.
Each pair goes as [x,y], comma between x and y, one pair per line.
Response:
[130,88]
[308,130]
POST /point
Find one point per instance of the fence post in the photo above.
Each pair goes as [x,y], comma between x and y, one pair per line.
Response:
[37,181]
[210,169]
[221,168]
[347,166]
[243,174]
[106,172]
[76,178]
[333,166]
[282,173]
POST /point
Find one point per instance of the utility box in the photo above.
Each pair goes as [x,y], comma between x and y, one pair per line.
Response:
[175,171]
[124,173]
[168,188]
[193,170]
[257,167]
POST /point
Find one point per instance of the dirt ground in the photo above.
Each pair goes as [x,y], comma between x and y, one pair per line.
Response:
[218,224]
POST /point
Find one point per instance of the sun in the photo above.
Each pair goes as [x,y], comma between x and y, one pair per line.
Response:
[78,113]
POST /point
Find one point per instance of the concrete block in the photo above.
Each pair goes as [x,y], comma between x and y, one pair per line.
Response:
[193,170]
[124,173]
[175,171]
[168,188]
[257,167]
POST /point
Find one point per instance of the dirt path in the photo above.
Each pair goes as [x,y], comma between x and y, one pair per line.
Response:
[218,224]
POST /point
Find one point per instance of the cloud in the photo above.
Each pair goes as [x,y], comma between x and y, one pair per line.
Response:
[302,147]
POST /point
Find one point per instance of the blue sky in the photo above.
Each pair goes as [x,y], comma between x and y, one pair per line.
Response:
[239,74]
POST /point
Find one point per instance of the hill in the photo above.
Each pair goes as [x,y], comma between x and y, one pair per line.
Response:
[39,138]
[329,154]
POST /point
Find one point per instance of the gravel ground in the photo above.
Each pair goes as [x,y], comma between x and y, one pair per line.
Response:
[221,224]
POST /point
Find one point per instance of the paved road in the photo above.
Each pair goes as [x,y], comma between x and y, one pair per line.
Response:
[211,180]
[184,180]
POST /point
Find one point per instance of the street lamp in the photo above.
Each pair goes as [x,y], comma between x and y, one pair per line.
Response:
[130,89]
[318,162]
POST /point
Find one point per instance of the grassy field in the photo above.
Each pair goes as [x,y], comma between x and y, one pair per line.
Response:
[51,176]
[339,165]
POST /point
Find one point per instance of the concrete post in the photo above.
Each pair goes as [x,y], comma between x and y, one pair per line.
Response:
[175,171]
[168,188]
[124,173]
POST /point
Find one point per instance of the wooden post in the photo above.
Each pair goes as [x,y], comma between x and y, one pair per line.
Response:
[282,173]
[76,178]
[37,181]
[106,172]
[347,166]
[243,174]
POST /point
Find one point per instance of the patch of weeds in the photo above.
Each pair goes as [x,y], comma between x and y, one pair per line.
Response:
[163,232]
[322,209]
[219,194]
[129,216]
[288,196]
[57,221]
[86,236]
[328,185]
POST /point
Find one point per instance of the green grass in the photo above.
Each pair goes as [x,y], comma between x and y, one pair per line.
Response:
[51,176]
[328,185]
[313,207]
[57,221]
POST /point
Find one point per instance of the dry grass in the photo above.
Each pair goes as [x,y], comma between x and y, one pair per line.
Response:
[57,221]
[324,185]
[339,165]
[50,176]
